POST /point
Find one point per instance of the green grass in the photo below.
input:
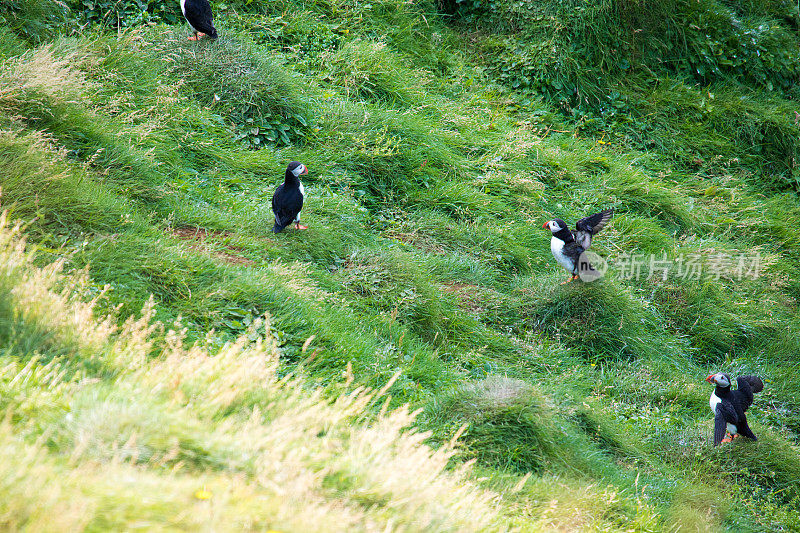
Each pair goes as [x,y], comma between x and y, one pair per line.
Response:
[439,138]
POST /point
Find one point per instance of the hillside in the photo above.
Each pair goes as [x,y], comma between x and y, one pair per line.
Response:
[410,362]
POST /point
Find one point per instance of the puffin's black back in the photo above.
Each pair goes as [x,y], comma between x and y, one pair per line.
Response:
[288,198]
[286,204]
[198,14]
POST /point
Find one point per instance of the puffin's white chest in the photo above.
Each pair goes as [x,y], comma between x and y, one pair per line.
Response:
[713,401]
[557,247]
[303,196]
[183,7]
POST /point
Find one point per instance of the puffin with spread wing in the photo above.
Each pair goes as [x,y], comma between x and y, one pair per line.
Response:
[568,246]
[729,405]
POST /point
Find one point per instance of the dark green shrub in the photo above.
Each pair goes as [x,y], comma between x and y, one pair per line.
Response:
[573,52]
[34,20]
[126,13]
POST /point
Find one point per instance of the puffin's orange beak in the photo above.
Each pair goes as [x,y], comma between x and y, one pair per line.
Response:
[710,378]
[305,170]
[544,226]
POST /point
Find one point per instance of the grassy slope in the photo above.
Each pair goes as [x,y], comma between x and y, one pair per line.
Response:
[432,170]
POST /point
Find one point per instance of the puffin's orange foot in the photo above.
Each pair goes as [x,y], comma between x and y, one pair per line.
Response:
[728,438]
[201,34]
[573,278]
[193,37]
[298,226]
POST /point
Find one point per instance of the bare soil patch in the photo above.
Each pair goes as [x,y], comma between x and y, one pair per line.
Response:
[202,236]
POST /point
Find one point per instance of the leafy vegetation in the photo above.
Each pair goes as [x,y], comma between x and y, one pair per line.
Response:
[410,361]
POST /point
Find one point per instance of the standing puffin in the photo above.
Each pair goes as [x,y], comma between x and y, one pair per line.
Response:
[567,246]
[288,198]
[729,406]
[198,15]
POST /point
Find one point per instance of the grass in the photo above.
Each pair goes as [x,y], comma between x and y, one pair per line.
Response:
[419,366]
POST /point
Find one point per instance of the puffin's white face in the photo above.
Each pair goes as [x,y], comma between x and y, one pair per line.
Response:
[552,225]
[300,170]
[719,379]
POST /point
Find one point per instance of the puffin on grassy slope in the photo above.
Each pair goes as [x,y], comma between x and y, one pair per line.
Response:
[198,15]
[567,246]
[729,406]
[288,198]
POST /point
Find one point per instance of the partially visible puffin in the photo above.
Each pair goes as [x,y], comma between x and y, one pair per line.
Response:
[288,198]
[567,246]
[198,15]
[729,406]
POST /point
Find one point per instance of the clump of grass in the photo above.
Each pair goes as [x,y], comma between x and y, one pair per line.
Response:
[38,185]
[566,503]
[703,312]
[261,101]
[697,507]
[396,284]
[390,154]
[45,73]
[599,321]
[46,91]
[367,70]
[609,434]
[509,425]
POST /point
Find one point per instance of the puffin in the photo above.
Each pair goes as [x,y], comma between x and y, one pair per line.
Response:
[729,406]
[567,246]
[288,198]
[198,15]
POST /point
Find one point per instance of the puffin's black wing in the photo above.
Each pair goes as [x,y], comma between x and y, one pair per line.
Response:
[724,415]
[754,382]
[743,429]
[198,14]
[720,426]
[748,385]
[591,226]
